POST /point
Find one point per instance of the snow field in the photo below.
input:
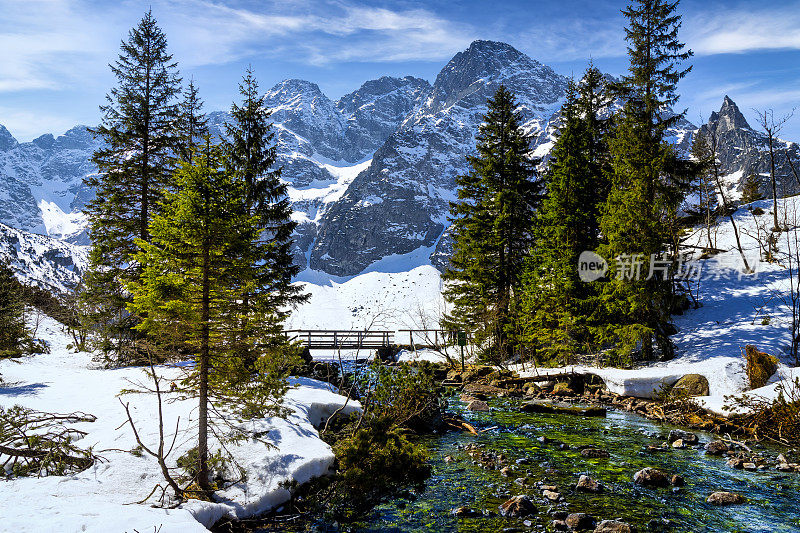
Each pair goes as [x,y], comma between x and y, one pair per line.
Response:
[102,498]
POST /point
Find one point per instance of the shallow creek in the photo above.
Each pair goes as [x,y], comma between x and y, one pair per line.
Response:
[773,503]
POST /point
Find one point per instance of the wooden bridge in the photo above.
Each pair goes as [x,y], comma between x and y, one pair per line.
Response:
[328,339]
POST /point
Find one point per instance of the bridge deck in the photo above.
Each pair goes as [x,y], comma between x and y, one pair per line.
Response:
[328,339]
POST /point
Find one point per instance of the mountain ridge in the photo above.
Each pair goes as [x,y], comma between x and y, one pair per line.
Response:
[370,174]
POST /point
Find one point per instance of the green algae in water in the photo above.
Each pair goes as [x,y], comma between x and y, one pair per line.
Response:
[772,507]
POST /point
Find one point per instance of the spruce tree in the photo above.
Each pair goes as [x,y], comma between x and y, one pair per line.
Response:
[705,187]
[14,335]
[639,220]
[206,254]
[192,125]
[250,155]
[751,190]
[492,231]
[134,166]
[560,308]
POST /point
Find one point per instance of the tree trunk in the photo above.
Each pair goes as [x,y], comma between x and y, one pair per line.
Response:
[776,227]
[202,440]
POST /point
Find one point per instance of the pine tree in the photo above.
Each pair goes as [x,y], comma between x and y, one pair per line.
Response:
[202,261]
[559,306]
[135,165]
[705,186]
[491,227]
[751,190]
[639,220]
[14,336]
[192,125]
[250,155]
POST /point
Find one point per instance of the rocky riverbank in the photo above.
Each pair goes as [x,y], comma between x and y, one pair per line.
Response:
[562,393]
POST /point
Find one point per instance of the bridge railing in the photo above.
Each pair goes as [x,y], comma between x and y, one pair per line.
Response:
[335,339]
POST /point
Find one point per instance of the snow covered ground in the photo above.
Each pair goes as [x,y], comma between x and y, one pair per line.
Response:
[737,309]
[101,498]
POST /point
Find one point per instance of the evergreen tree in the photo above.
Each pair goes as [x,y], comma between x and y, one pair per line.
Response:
[639,220]
[492,231]
[559,307]
[705,186]
[202,261]
[15,338]
[751,190]
[135,164]
[192,123]
[250,155]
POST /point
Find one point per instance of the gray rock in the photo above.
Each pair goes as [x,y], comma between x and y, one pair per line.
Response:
[517,507]
[478,405]
[692,385]
[587,484]
[685,436]
[613,526]
[651,477]
[726,498]
[716,447]
[595,453]
[580,521]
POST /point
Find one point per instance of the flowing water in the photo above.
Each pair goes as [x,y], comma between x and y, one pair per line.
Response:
[773,504]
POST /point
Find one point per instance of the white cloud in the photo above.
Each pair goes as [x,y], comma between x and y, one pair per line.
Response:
[726,31]
[318,32]
[27,125]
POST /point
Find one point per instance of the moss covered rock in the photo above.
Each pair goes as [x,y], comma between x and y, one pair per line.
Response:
[692,385]
[760,366]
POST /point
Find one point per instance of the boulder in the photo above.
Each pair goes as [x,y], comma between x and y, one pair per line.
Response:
[651,477]
[716,447]
[517,507]
[595,453]
[613,526]
[562,389]
[692,385]
[725,498]
[687,438]
[678,481]
[559,525]
[580,521]
[551,495]
[759,366]
[478,405]
[587,484]
[463,512]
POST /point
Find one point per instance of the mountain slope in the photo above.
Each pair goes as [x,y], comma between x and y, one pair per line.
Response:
[744,151]
[43,261]
[401,201]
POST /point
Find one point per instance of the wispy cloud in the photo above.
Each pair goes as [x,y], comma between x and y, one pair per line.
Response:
[45,42]
[337,31]
[725,31]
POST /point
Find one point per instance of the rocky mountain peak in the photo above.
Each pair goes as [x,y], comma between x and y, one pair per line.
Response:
[373,90]
[486,64]
[729,117]
[7,141]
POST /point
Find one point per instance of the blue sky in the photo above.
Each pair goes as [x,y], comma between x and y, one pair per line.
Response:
[54,73]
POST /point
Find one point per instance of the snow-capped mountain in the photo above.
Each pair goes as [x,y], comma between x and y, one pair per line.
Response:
[401,202]
[370,175]
[743,151]
[42,187]
[43,261]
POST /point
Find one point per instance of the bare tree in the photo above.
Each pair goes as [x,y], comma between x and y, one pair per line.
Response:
[791,298]
[772,128]
[713,147]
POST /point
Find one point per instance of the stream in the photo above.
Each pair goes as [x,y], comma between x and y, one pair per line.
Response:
[773,504]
